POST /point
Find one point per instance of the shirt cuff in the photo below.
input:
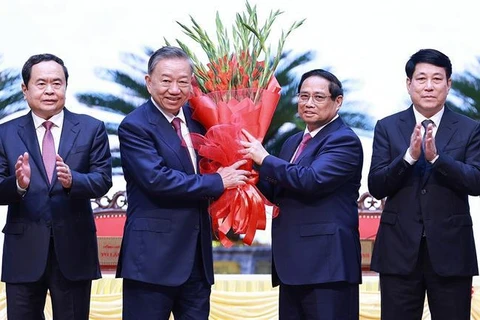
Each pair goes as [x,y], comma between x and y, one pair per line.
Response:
[20,190]
[434,159]
[407,157]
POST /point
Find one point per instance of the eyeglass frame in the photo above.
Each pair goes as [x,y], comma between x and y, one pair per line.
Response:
[314,98]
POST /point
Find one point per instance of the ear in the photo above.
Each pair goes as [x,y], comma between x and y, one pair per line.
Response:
[24,91]
[148,82]
[338,102]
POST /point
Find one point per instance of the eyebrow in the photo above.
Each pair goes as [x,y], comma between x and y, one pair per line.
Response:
[54,79]
[316,92]
[435,74]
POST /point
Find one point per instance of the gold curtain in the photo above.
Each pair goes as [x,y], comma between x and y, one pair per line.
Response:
[233,297]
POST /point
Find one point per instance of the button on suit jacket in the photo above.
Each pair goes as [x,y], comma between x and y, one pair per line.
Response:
[167,202]
[433,202]
[315,237]
[50,210]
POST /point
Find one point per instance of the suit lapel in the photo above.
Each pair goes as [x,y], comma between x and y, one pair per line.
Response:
[290,146]
[406,125]
[328,129]
[168,135]
[193,127]
[70,132]
[445,132]
[28,134]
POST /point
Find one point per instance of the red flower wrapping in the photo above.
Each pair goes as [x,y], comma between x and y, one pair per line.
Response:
[224,114]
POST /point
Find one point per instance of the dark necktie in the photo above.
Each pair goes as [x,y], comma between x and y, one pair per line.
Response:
[426,165]
[301,147]
[48,150]
[425,124]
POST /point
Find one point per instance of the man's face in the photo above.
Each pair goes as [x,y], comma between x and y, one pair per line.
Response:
[45,93]
[170,84]
[317,107]
[428,88]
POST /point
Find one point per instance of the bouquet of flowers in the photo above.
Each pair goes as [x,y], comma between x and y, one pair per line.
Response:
[236,89]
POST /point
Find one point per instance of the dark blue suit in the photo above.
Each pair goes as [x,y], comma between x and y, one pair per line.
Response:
[47,212]
[168,231]
[426,205]
[315,238]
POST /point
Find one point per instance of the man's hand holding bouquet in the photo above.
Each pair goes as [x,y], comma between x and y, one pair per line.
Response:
[235,90]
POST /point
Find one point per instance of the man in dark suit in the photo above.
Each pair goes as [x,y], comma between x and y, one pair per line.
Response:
[166,255]
[315,182]
[49,170]
[426,162]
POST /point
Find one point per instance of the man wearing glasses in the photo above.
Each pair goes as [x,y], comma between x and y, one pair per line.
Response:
[315,182]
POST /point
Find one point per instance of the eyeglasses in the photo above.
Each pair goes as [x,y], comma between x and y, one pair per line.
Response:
[317,99]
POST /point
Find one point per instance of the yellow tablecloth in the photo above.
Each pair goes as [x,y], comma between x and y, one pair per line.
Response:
[233,297]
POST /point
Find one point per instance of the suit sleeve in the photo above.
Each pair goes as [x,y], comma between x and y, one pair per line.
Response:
[8,182]
[335,163]
[458,165]
[98,180]
[387,174]
[154,167]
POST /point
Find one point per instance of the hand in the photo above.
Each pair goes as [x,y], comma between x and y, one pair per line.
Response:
[429,144]
[64,174]
[415,148]
[232,176]
[253,148]
[23,171]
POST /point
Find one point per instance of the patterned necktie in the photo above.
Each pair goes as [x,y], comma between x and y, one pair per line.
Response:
[425,124]
[425,165]
[301,147]
[48,150]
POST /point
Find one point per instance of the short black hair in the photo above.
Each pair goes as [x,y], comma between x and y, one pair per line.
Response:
[335,86]
[35,59]
[430,56]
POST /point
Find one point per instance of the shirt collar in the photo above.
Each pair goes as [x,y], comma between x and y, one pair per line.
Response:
[435,118]
[56,119]
[314,132]
[170,116]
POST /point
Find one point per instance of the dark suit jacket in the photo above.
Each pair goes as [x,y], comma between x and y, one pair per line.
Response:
[47,210]
[167,202]
[433,196]
[315,237]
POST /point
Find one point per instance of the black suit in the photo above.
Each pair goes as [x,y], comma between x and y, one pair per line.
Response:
[50,236]
[426,225]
